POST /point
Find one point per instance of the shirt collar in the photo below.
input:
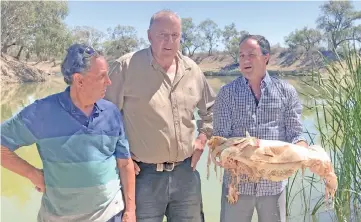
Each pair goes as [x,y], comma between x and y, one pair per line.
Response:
[180,57]
[266,81]
[66,102]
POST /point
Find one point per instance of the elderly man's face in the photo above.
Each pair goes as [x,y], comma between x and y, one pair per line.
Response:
[164,36]
[93,84]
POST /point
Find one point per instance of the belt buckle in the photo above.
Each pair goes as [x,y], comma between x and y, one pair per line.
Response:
[167,164]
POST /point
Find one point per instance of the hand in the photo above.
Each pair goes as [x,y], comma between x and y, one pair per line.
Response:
[37,178]
[136,168]
[129,216]
[198,146]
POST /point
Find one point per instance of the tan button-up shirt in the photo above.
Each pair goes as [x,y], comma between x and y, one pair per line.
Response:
[158,112]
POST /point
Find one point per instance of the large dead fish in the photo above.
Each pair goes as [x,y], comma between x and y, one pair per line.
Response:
[268,159]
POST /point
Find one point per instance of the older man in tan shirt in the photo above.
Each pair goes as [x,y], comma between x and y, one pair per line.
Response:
[158,89]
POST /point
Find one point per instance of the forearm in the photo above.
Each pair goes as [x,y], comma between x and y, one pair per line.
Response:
[14,163]
[202,137]
[127,178]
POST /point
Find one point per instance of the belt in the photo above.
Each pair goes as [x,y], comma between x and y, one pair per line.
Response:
[167,166]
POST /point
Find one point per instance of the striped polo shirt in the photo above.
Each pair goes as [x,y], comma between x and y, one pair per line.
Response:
[78,155]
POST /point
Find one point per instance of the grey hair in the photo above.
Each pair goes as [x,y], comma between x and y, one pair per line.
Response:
[76,62]
[162,12]
[261,41]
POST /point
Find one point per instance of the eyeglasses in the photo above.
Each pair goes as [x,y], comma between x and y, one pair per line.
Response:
[89,52]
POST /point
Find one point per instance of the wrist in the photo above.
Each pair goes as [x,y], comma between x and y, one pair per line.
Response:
[202,137]
[31,173]
[129,209]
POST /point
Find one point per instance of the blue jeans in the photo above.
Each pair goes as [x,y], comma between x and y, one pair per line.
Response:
[269,208]
[175,194]
[117,217]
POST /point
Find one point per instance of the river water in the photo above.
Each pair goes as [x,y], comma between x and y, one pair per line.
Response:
[20,201]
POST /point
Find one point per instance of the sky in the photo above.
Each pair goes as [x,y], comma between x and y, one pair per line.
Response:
[272,19]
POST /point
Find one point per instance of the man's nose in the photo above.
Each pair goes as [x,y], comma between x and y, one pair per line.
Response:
[168,38]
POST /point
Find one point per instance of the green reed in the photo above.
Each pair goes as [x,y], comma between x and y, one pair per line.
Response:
[336,98]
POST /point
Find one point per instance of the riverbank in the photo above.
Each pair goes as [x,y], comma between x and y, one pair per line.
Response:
[282,63]
[14,71]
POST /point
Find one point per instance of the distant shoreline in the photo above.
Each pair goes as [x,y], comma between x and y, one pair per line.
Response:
[271,72]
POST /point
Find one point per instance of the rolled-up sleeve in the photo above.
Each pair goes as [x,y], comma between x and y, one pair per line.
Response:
[122,147]
[15,132]
[293,122]
[205,109]
[222,114]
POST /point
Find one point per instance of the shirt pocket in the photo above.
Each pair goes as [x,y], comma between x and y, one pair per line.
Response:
[190,98]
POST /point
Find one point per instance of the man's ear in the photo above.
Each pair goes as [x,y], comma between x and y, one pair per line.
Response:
[77,79]
[267,57]
[149,36]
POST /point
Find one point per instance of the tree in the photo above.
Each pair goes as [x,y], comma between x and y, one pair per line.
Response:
[304,39]
[231,39]
[121,40]
[17,18]
[51,44]
[191,40]
[337,21]
[211,34]
[88,35]
[37,26]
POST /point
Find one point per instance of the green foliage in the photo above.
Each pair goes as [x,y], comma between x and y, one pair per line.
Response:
[231,39]
[305,39]
[211,34]
[36,26]
[339,124]
[88,35]
[337,21]
[336,101]
[191,38]
[121,40]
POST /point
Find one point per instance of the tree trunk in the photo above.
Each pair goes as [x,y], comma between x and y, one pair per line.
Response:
[184,51]
[19,53]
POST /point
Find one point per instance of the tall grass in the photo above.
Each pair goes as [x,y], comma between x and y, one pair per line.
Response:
[336,102]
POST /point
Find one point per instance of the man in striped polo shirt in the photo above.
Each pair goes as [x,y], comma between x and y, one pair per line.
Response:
[82,145]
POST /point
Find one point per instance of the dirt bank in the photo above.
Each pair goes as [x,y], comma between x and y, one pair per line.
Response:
[15,71]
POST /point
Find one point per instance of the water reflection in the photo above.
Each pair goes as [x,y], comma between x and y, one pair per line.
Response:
[18,194]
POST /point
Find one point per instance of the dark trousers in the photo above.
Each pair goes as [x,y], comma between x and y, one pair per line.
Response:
[175,194]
